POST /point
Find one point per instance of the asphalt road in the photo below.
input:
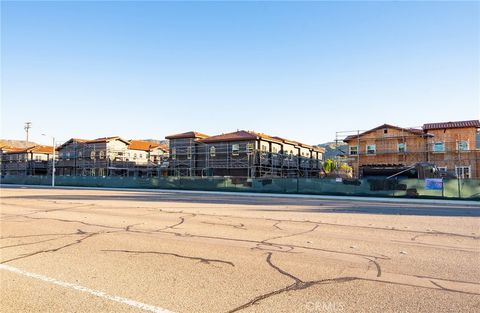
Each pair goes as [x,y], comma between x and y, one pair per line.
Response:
[68,250]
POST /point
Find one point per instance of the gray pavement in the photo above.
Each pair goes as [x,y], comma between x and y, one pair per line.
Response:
[86,250]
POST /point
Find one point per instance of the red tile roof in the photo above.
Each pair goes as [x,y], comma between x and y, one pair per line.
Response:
[7,148]
[458,124]
[42,149]
[142,145]
[33,149]
[191,134]
[241,135]
[414,131]
[234,136]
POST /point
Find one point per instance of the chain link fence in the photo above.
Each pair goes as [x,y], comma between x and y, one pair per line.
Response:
[411,188]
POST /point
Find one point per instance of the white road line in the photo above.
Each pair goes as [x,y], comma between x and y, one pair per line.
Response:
[100,294]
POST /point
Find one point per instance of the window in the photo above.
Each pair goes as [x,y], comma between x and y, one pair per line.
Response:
[68,155]
[174,153]
[61,155]
[80,154]
[274,149]
[385,130]
[439,147]
[189,152]
[235,149]
[462,145]
[101,155]
[442,168]
[134,156]
[38,158]
[212,151]
[264,148]
[353,150]
[462,171]
[92,155]
[371,149]
[402,147]
[249,148]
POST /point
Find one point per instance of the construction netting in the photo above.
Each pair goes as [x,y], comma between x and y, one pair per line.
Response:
[411,188]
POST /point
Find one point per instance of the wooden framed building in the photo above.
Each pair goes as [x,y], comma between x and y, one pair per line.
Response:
[455,147]
[242,154]
[385,150]
[33,160]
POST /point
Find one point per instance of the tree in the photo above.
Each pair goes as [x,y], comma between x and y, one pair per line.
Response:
[328,166]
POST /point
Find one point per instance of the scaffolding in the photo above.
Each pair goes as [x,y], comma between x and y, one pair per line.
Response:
[407,147]
[190,157]
[86,159]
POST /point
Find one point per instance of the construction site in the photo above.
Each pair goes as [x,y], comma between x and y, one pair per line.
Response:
[449,148]
[107,156]
[242,154]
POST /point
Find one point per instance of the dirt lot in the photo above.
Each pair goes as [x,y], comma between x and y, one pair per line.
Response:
[68,250]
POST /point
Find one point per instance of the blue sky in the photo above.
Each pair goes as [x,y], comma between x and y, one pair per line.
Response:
[301,70]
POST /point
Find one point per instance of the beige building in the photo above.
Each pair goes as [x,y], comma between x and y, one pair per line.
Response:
[146,153]
[33,160]
[109,156]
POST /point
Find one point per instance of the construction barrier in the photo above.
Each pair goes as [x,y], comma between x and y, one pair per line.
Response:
[411,188]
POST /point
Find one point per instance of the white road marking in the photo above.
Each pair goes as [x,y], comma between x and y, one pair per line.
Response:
[100,294]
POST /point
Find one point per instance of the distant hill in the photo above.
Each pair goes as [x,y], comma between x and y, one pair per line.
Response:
[157,141]
[333,150]
[16,143]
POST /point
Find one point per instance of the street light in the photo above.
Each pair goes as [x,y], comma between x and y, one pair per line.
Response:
[53,159]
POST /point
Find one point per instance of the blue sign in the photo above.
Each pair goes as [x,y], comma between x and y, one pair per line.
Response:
[434,183]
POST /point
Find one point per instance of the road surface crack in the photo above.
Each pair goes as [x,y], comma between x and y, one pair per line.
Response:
[202,260]
[298,284]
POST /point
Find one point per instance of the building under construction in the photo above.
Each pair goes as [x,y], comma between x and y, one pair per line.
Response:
[242,154]
[111,156]
[386,150]
[32,160]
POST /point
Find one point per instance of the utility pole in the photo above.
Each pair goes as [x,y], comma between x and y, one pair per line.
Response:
[28,125]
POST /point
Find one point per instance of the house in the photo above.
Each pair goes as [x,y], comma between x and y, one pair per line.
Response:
[144,152]
[183,159]
[112,156]
[242,154]
[97,157]
[454,147]
[4,148]
[387,150]
[26,161]
[71,156]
